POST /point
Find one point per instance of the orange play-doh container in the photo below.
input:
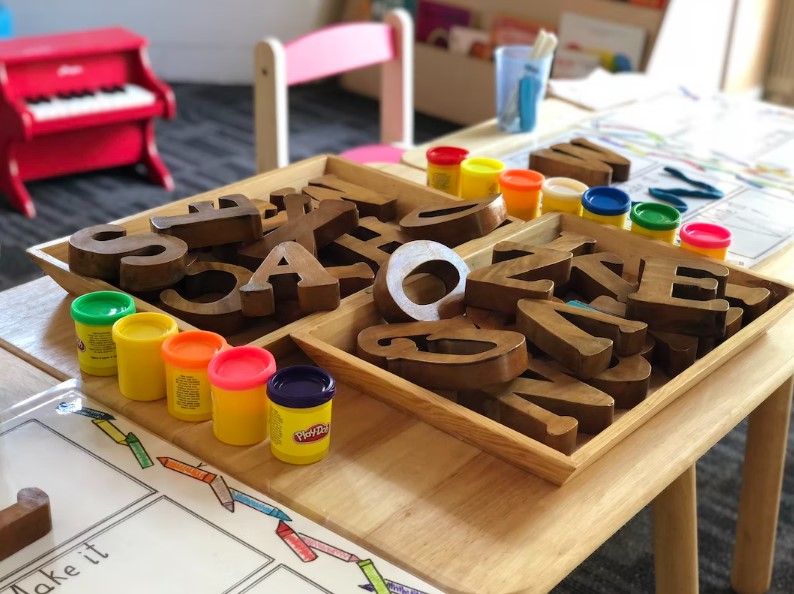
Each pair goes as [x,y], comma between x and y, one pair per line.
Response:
[521,192]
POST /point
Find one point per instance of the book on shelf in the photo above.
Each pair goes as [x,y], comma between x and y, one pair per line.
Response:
[471,42]
[435,19]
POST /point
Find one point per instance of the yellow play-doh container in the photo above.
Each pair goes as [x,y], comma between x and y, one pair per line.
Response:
[443,168]
[94,315]
[139,338]
[606,205]
[479,178]
[708,239]
[521,192]
[186,356]
[562,194]
[238,384]
[658,221]
[300,413]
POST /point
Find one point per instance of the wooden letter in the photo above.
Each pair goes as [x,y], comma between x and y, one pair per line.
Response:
[418,257]
[674,352]
[455,224]
[289,273]
[447,355]
[235,220]
[368,202]
[24,522]
[575,243]
[599,274]
[500,286]
[372,242]
[352,278]
[626,380]
[681,296]
[733,323]
[581,159]
[212,297]
[609,305]
[753,300]
[142,262]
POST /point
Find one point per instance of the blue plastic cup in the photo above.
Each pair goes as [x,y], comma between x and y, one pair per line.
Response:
[520,87]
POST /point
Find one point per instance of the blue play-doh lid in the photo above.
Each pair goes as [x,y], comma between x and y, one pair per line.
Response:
[606,201]
[301,386]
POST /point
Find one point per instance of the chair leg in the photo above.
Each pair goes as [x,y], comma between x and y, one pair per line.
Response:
[157,170]
[11,185]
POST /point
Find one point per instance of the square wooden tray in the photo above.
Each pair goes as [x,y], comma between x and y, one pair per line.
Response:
[330,342]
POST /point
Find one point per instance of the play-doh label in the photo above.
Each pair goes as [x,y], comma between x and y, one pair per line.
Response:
[312,434]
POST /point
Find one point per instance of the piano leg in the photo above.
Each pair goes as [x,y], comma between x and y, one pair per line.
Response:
[11,185]
[158,172]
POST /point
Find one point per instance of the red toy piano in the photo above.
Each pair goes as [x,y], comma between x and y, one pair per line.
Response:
[77,102]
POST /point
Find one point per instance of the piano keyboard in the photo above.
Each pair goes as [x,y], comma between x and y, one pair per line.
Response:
[88,102]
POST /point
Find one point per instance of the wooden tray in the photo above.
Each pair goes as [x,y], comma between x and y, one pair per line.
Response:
[53,256]
[331,340]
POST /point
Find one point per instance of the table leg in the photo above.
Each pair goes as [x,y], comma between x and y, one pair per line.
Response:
[759,502]
[675,539]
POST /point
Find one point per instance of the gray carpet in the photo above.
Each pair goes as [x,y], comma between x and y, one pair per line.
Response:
[210,144]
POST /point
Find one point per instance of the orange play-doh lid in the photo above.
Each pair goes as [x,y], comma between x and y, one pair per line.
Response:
[521,180]
[192,349]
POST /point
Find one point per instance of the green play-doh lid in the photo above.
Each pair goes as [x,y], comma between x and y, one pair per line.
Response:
[102,308]
[655,216]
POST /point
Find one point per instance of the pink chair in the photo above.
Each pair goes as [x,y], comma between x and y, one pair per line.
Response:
[328,52]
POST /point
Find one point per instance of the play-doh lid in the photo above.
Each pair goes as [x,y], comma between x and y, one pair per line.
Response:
[446,155]
[564,188]
[705,235]
[301,386]
[482,166]
[102,308]
[521,180]
[241,368]
[144,327]
[606,201]
[192,349]
[655,216]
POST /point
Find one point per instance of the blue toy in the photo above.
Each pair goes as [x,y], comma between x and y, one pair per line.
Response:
[6,29]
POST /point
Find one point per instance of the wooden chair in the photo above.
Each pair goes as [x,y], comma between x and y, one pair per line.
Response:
[327,52]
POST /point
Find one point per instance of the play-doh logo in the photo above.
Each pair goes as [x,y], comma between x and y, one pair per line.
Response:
[312,434]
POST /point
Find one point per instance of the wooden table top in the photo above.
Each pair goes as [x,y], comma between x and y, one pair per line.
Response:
[436,506]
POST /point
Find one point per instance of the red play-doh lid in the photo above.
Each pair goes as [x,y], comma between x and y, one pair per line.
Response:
[241,368]
[446,155]
[705,235]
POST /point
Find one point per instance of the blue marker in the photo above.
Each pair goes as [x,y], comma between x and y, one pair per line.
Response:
[258,505]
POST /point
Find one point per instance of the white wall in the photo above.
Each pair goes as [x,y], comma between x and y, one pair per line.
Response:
[190,40]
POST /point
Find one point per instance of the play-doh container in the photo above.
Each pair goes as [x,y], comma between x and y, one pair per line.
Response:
[521,192]
[562,194]
[300,413]
[658,221]
[708,239]
[186,356]
[443,168]
[94,315]
[606,205]
[479,178]
[238,384]
[138,339]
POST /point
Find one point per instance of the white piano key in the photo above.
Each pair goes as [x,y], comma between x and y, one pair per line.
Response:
[99,102]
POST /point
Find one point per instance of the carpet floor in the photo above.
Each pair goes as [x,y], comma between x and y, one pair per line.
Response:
[210,144]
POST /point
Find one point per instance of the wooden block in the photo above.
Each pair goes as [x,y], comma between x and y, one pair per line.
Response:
[420,257]
[580,339]
[609,305]
[455,224]
[489,319]
[289,273]
[590,151]
[553,163]
[753,300]
[369,202]
[499,287]
[649,348]
[673,353]
[448,354]
[626,380]
[352,278]
[235,220]
[599,274]
[568,241]
[681,296]
[141,262]
[511,410]
[24,522]
[297,207]
[733,323]
[210,297]
[372,242]
[277,197]
[328,221]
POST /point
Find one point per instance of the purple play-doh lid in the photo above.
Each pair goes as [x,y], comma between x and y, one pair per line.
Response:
[301,386]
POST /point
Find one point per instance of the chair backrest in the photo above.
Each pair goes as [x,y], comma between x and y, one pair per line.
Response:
[327,52]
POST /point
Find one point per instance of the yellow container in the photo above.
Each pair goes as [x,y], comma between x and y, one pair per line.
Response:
[443,168]
[521,192]
[300,413]
[94,315]
[479,178]
[238,380]
[186,358]
[139,338]
[658,221]
[606,205]
[708,239]
[562,194]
